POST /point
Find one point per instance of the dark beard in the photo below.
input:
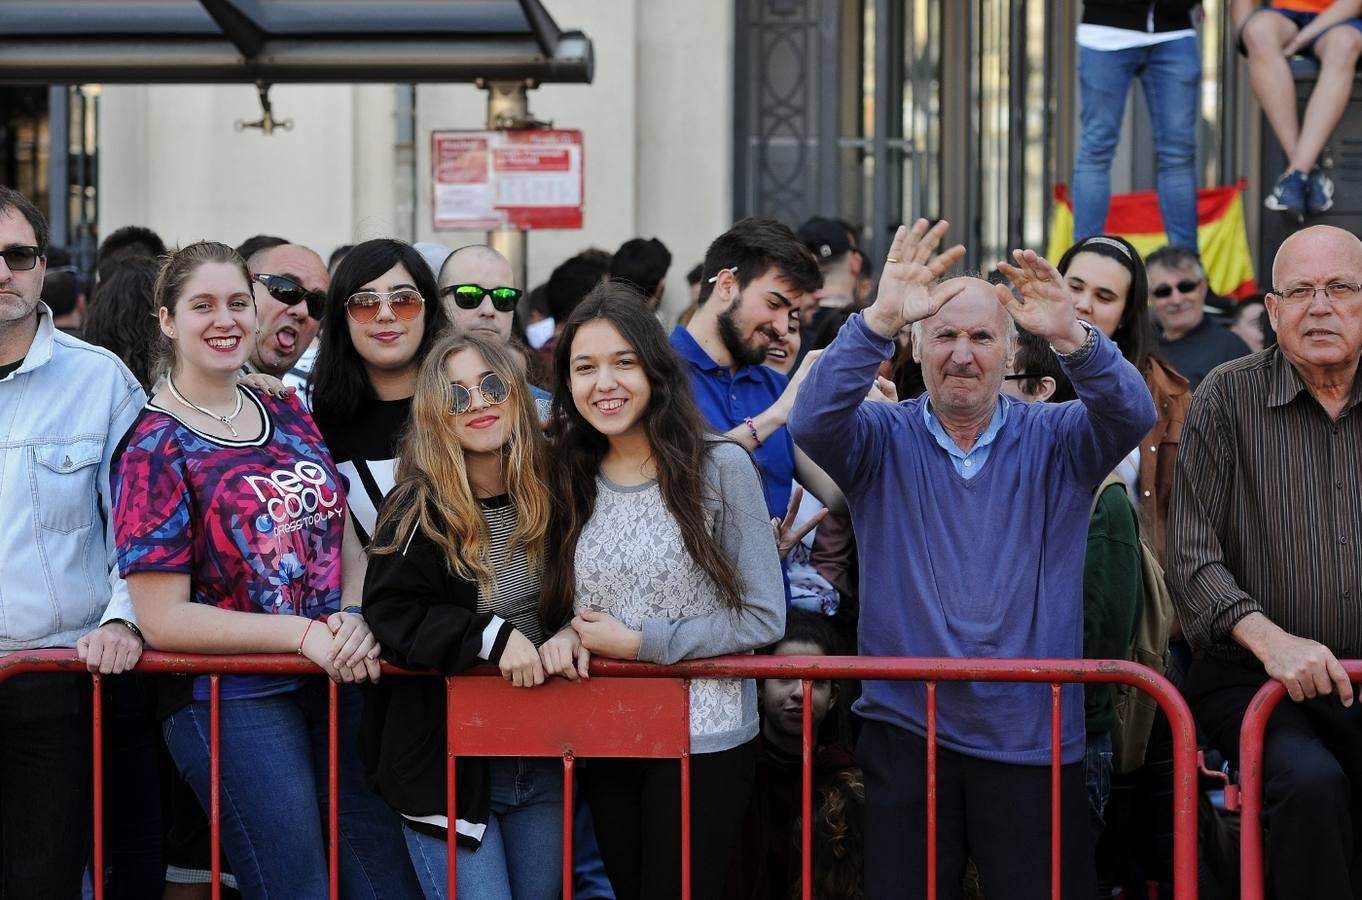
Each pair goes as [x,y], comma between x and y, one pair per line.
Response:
[743,354]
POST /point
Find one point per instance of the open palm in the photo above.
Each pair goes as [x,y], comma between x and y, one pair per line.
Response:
[906,292]
[1045,307]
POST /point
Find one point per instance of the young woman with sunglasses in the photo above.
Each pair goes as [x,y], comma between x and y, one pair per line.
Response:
[230,520]
[662,552]
[1111,291]
[383,315]
[453,581]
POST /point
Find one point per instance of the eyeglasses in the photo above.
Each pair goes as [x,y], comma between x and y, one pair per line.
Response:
[493,389]
[291,293]
[1021,375]
[1334,290]
[1184,287]
[469,296]
[21,258]
[404,303]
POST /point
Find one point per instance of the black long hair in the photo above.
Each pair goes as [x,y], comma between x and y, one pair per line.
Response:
[121,317]
[340,379]
[677,434]
[1134,333]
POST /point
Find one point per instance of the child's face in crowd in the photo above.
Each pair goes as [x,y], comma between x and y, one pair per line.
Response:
[607,381]
[782,699]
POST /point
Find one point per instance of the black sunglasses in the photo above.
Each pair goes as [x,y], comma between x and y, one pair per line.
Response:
[493,389]
[1184,287]
[469,296]
[21,258]
[291,293]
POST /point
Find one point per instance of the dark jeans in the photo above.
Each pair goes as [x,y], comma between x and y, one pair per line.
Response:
[998,814]
[636,805]
[133,828]
[1312,779]
[45,794]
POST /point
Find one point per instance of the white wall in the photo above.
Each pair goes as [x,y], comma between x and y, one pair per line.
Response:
[656,123]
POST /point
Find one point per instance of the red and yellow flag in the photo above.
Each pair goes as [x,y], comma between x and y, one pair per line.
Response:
[1220,232]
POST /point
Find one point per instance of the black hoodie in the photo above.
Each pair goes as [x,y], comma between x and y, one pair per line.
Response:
[1135,15]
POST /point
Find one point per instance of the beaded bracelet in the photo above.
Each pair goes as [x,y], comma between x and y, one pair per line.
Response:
[752,428]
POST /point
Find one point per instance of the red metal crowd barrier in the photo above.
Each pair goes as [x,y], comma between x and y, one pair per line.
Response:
[1252,734]
[629,709]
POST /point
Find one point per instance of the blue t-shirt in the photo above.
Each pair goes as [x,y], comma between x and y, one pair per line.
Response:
[726,398]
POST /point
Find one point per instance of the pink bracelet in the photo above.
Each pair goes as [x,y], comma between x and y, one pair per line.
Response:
[752,428]
[310,623]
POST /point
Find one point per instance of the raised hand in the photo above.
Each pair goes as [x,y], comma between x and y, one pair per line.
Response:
[1045,307]
[908,290]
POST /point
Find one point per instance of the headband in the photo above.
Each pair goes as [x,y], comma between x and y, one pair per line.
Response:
[1108,242]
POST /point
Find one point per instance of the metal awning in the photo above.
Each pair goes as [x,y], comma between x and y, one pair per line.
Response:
[279,41]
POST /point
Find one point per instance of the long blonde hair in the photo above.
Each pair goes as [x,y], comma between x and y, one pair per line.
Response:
[432,491]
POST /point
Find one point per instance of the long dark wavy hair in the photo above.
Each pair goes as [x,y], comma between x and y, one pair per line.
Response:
[677,435]
[340,379]
[1134,334]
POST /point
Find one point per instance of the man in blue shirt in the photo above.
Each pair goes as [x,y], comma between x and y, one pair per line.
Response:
[971,512]
[755,275]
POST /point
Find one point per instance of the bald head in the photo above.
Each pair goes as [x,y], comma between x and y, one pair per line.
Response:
[1322,240]
[979,296]
[480,265]
[964,350]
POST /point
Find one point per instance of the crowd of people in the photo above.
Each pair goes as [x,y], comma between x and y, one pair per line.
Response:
[401,455]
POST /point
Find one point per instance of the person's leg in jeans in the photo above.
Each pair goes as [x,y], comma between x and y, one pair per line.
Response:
[894,763]
[45,792]
[271,830]
[590,881]
[531,824]
[373,864]
[1015,862]
[1171,78]
[482,873]
[1103,83]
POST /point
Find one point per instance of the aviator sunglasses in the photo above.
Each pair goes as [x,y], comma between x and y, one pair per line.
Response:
[493,389]
[21,258]
[469,296]
[405,303]
[291,293]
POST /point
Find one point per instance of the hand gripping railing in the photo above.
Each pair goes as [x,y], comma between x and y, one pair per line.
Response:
[1252,734]
[629,709]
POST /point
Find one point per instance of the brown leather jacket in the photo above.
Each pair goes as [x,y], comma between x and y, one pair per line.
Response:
[1159,450]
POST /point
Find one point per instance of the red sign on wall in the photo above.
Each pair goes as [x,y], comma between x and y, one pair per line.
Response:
[506,179]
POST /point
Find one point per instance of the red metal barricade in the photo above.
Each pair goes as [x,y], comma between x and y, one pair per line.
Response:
[1252,734]
[629,709]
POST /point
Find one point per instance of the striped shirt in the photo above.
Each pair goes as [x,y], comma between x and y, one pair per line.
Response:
[1266,512]
[515,597]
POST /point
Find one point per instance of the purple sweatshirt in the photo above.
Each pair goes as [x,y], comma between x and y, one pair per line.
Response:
[989,567]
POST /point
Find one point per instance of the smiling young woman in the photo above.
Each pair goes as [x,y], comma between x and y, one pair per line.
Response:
[230,520]
[663,551]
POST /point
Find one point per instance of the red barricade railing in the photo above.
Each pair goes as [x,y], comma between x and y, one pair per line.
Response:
[630,709]
[1252,734]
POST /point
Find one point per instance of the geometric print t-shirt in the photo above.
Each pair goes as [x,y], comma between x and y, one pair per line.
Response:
[256,523]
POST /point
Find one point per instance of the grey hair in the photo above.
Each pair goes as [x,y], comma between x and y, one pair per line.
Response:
[1172,256]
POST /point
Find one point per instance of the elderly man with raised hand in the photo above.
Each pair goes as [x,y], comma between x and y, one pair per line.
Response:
[1264,565]
[970,510]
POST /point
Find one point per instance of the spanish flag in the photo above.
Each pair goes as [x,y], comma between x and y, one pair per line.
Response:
[1220,232]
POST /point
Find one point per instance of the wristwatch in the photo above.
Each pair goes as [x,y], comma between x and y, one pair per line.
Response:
[1083,350]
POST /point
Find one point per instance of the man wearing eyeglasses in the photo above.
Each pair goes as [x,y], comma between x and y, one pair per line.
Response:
[63,406]
[290,284]
[1263,559]
[1189,340]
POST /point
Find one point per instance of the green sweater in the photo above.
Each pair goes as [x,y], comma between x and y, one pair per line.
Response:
[1113,592]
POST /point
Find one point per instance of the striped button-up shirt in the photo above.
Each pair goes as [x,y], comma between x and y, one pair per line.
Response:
[1266,513]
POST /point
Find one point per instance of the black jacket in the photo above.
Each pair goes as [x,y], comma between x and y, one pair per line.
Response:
[1169,15]
[425,617]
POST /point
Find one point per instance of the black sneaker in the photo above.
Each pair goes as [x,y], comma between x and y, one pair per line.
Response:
[1288,196]
[1319,196]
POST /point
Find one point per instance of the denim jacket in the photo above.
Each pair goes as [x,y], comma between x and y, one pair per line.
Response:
[62,413]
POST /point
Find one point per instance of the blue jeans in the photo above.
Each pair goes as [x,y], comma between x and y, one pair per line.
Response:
[1170,73]
[274,796]
[521,857]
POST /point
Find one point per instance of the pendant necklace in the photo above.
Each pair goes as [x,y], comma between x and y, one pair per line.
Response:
[225,420]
